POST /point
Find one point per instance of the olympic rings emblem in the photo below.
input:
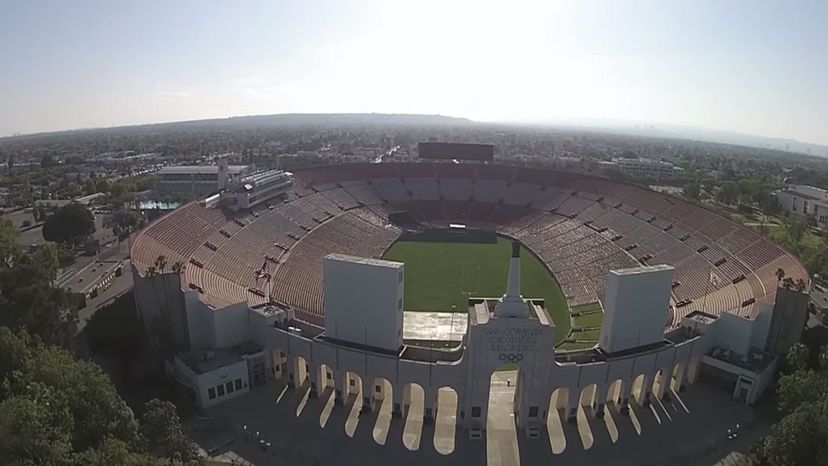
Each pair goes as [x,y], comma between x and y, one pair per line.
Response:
[510,357]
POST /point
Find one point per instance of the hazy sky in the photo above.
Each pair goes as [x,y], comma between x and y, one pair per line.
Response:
[758,67]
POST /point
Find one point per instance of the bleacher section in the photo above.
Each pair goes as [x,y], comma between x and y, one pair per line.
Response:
[579,226]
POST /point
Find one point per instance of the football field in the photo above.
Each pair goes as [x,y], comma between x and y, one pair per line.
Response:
[443,276]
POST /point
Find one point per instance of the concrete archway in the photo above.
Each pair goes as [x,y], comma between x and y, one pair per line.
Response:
[279,360]
[615,394]
[555,418]
[677,382]
[299,378]
[615,404]
[638,391]
[352,399]
[445,421]
[326,389]
[587,409]
[300,372]
[589,398]
[325,381]
[413,402]
[383,405]
[660,384]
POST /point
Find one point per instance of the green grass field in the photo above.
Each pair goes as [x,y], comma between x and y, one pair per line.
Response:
[443,276]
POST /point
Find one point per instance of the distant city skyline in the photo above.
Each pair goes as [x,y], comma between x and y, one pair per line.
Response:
[750,67]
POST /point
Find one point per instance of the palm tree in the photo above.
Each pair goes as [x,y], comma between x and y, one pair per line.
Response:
[801,285]
[178,267]
[161,263]
[780,274]
[788,283]
[151,271]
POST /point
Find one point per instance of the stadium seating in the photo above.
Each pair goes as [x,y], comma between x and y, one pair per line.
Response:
[580,226]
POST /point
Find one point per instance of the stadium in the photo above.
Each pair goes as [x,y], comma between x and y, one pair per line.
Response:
[597,292]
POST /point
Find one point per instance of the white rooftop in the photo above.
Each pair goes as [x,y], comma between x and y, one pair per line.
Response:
[642,269]
[364,260]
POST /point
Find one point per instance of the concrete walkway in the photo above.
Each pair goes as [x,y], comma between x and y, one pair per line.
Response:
[277,426]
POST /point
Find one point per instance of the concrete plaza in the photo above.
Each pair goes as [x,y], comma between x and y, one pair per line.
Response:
[276,425]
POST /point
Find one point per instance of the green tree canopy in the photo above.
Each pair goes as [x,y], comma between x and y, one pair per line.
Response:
[693,190]
[54,406]
[46,259]
[800,438]
[9,248]
[29,301]
[799,388]
[114,451]
[71,223]
[161,429]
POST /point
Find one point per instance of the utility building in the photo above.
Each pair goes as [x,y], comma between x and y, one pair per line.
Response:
[635,307]
[363,301]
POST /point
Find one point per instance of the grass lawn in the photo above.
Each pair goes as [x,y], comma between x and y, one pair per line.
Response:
[443,276]
[588,320]
[574,346]
[593,335]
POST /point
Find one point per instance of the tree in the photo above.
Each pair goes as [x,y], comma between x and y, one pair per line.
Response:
[161,429]
[795,228]
[71,223]
[179,267]
[798,356]
[89,187]
[799,439]
[9,248]
[693,191]
[780,274]
[45,258]
[768,204]
[29,301]
[728,193]
[34,428]
[160,263]
[120,193]
[54,405]
[800,285]
[800,387]
[125,221]
[114,451]
[823,357]
[47,161]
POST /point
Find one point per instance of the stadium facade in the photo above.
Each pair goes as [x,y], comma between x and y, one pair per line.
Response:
[684,291]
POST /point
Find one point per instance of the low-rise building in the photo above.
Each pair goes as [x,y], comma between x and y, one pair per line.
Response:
[198,179]
[808,201]
[645,168]
[214,376]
